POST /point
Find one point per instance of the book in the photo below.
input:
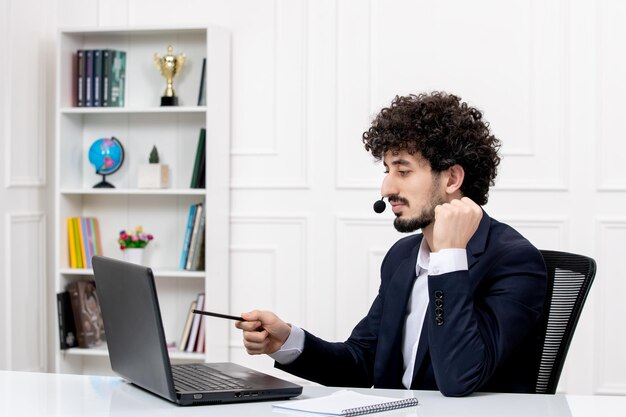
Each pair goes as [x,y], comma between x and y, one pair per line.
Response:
[71,243]
[117,79]
[201,335]
[187,239]
[91,244]
[194,235]
[201,181]
[95,228]
[107,64]
[86,248]
[80,78]
[197,259]
[201,90]
[87,314]
[195,324]
[200,155]
[67,327]
[80,240]
[79,255]
[347,403]
[88,78]
[97,78]
[187,328]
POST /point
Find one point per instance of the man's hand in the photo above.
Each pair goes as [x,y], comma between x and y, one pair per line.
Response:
[455,224]
[263,332]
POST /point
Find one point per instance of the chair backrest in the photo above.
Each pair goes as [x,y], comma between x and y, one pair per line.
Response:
[569,280]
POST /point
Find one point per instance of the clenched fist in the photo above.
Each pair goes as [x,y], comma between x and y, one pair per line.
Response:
[455,224]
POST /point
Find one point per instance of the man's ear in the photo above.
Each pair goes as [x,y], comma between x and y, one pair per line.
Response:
[455,177]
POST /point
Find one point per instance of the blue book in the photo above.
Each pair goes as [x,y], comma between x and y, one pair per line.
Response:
[190,221]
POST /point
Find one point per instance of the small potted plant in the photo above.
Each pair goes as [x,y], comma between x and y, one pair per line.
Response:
[153,174]
[133,244]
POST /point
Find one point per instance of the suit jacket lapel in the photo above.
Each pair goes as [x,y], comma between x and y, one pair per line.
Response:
[388,364]
[478,242]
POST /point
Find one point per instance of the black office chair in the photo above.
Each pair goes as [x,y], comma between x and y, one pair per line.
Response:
[569,280]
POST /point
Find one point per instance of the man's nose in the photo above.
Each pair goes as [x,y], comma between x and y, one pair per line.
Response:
[388,187]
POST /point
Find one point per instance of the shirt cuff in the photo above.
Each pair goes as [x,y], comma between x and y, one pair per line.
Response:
[292,348]
[447,260]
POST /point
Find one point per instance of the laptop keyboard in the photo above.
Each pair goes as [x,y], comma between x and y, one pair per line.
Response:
[193,377]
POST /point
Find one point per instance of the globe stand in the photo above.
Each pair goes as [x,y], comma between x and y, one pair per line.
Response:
[104,183]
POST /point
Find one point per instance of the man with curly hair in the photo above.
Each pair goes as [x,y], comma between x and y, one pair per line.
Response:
[460,304]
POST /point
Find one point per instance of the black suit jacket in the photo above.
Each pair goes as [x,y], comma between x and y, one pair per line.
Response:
[481,330]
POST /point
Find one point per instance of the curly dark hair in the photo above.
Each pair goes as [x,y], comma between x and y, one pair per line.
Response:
[445,131]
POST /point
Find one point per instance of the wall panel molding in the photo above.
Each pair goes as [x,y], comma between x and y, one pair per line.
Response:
[610,89]
[544,232]
[610,288]
[25,244]
[25,100]
[281,162]
[361,244]
[279,244]
[363,85]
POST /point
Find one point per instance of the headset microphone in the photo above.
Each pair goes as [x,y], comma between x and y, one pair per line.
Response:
[379,206]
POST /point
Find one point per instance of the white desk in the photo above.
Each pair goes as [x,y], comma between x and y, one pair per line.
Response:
[38,394]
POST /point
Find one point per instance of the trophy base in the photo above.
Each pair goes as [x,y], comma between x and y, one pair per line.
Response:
[169,101]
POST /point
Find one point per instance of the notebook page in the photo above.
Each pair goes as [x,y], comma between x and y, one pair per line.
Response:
[346,403]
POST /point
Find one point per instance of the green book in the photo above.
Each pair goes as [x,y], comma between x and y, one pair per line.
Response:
[107,65]
[117,79]
[200,151]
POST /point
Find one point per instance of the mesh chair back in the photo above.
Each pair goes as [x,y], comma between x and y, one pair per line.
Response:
[569,280]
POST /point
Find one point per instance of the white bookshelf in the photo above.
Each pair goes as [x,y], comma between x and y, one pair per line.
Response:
[139,125]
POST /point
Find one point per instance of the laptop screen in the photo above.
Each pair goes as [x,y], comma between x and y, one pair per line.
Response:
[133,325]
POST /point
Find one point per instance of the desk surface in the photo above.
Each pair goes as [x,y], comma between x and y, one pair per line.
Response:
[30,394]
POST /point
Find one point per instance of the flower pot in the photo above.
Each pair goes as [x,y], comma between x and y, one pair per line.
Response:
[152,176]
[134,255]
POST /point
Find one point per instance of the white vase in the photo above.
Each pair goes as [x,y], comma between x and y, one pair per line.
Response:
[134,255]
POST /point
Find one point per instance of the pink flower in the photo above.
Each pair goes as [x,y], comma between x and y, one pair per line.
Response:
[136,239]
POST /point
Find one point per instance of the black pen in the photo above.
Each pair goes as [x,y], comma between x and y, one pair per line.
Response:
[222,316]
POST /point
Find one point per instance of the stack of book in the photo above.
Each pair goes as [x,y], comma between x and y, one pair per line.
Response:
[100,78]
[80,318]
[83,237]
[192,257]
[192,339]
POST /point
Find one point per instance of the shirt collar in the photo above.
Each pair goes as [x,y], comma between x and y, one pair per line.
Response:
[423,257]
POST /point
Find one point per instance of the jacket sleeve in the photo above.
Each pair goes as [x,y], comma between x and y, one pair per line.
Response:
[349,363]
[342,364]
[474,325]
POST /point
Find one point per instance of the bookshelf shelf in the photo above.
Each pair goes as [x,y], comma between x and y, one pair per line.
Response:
[134,191]
[102,351]
[163,212]
[136,110]
[158,273]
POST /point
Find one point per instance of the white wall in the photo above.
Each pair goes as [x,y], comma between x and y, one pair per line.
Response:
[307,78]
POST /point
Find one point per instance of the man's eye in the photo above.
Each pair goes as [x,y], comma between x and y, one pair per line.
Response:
[386,172]
[403,173]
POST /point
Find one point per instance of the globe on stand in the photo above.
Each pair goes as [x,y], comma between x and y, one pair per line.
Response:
[107,155]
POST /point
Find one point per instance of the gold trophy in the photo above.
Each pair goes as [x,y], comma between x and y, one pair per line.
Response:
[170,66]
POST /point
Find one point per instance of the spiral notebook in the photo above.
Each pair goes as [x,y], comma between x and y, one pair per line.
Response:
[346,403]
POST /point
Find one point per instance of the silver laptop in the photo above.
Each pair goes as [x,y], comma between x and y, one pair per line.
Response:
[138,351]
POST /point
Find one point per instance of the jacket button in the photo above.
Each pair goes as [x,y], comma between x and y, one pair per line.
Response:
[438,294]
[439,321]
[438,302]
